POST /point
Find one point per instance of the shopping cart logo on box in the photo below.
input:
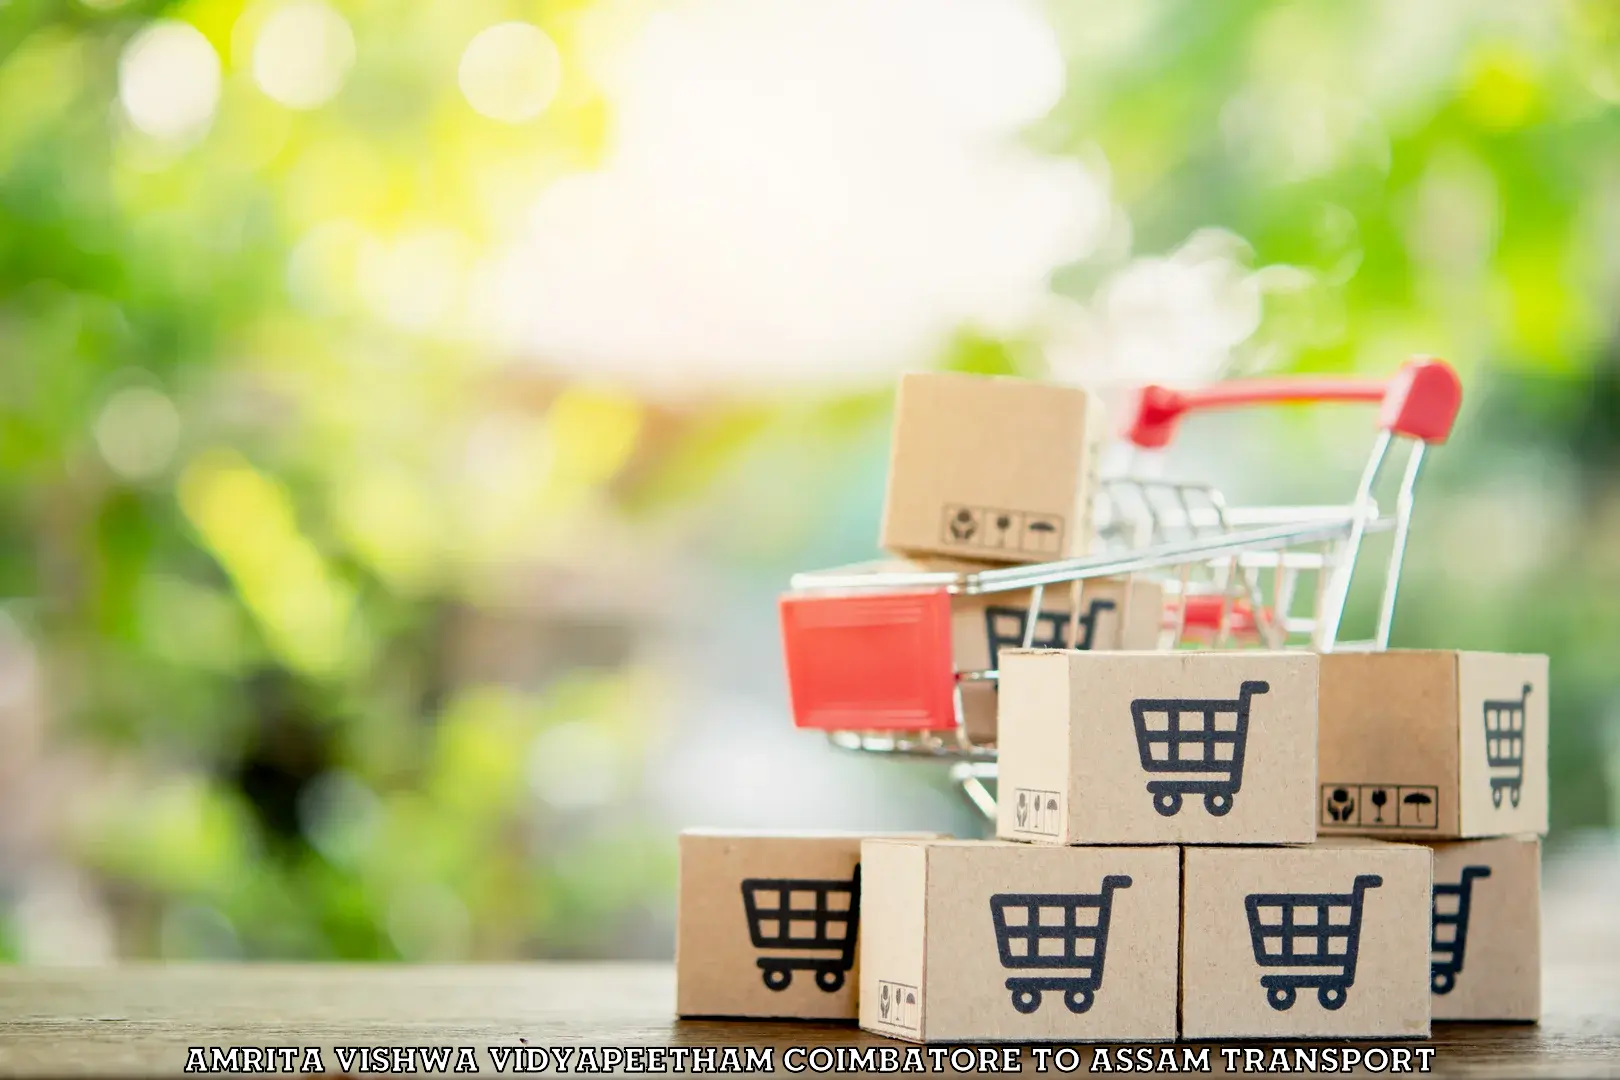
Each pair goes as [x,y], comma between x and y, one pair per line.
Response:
[1007,627]
[1317,933]
[1504,746]
[804,915]
[1065,934]
[1200,742]
[1449,937]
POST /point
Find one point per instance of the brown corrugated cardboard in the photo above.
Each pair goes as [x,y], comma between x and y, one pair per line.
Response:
[1157,747]
[1255,964]
[1114,613]
[988,941]
[1431,745]
[734,956]
[1486,946]
[991,468]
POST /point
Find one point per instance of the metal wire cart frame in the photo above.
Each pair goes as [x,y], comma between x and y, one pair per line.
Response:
[869,655]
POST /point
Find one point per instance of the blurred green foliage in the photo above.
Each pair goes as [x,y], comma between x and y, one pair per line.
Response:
[238,540]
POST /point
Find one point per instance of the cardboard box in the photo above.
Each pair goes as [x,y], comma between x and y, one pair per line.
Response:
[735,956]
[987,941]
[1431,745]
[1326,940]
[1157,747]
[1115,613]
[992,468]
[1485,962]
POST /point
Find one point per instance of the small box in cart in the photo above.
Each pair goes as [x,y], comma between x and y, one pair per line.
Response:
[1157,747]
[1327,940]
[993,468]
[1485,961]
[1113,613]
[986,941]
[767,924]
[1433,744]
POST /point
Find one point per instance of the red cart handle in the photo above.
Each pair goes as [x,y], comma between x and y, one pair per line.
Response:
[1419,401]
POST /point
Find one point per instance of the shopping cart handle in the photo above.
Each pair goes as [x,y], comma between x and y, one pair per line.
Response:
[1420,401]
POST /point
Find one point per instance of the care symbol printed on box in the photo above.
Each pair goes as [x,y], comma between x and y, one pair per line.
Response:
[1062,933]
[1504,746]
[804,915]
[1449,934]
[997,528]
[1318,933]
[1381,806]
[1039,812]
[897,1005]
[1198,741]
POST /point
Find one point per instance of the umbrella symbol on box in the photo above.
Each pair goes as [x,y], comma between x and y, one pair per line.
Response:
[1417,800]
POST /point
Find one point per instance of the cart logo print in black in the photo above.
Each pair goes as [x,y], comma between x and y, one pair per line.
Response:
[1197,745]
[1504,746]
[1448,937]
[806,916]
[1318,935]
[1059,938]
[1005,628]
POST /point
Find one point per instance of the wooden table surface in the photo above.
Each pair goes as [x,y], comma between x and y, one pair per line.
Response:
[140,1020]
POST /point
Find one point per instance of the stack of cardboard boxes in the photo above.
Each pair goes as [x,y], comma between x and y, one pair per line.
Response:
[1189,843]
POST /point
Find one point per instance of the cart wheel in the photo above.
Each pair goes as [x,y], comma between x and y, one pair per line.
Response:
[1281,998]
[1442,982]
[1331,997]
[1218,803]
[1513,793]
[1167,803]
[1496,796]
[777,979]
[1078,1001]
[829,979]
[1026,1001]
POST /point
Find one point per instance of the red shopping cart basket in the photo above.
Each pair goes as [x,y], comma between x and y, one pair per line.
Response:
[869,655]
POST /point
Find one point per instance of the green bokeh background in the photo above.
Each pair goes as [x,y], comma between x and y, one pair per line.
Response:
[281,690]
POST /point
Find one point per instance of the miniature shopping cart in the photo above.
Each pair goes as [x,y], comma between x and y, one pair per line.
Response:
[1449,936]
[869,655]
[1319,933]
[1504,746]
[1207,753]
[1061,933]
[804,915]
